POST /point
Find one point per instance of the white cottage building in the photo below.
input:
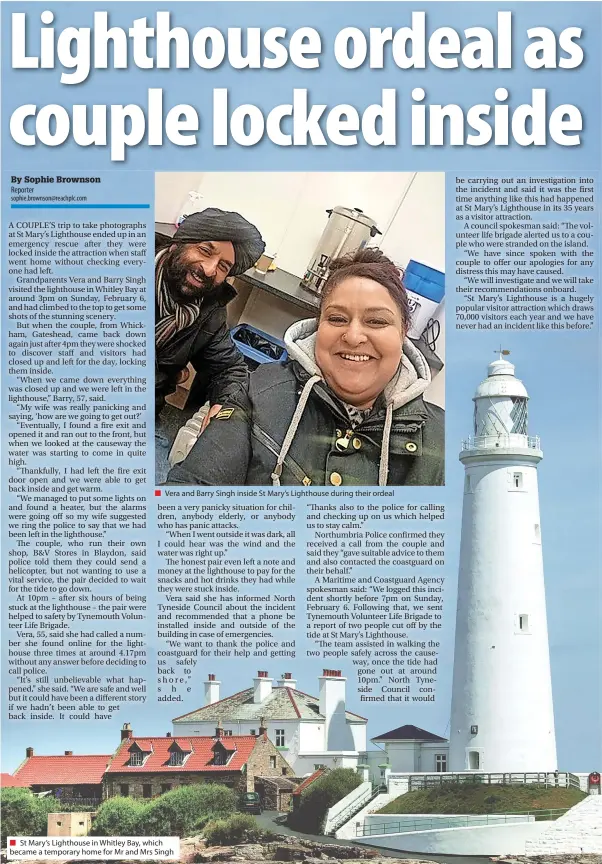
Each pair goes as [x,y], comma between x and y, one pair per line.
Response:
[411,750]
[311,731]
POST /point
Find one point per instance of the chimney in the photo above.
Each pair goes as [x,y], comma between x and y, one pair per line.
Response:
[126,731]
[68,752]
[29,753]
[168,735]
[337,733]
[219,729]
[211,690]
[262,687]
[287,680]
[263,729]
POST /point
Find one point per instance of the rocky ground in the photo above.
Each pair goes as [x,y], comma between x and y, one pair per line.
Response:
[194,850]
[281,849]
[551,859]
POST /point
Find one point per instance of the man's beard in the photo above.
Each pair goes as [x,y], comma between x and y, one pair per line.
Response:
[180,289]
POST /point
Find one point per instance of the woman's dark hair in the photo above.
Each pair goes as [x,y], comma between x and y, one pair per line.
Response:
[369,263]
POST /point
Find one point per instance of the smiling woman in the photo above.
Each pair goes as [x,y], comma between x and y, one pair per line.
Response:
[345,409]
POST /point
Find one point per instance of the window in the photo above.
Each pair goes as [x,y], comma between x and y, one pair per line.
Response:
[176,757]
[284,772]
[147,790]
[319,766]
[272,761]
[468,483]
[227,732]
[523,623]
[220,758]
[537,533]
[124,790]
[517,480]
[252,732]
[474,760]
[279,737]
[136,757]
[440,762]
[165,787]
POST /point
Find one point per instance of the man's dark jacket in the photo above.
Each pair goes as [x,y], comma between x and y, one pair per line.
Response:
[207,344]
[241,445]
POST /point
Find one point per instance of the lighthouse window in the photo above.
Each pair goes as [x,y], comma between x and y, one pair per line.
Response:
[468,483]
[537,532]
[474,760]
[523,623]
[518,415]
[517,480]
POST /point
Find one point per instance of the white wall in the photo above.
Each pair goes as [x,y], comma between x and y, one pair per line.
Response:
[171,191]
[429,751]
[490,840]
[358,731]
[289,208]
[311,738]
[305,762]
[291,731]
[412,822]
[404,756]
[418,230]
[577,832]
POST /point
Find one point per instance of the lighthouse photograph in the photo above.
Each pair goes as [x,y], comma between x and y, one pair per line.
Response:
[502,717]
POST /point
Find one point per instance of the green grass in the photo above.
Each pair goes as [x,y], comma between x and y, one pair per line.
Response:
[479,798]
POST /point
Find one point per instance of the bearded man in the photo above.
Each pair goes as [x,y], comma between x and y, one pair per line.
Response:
[191,295]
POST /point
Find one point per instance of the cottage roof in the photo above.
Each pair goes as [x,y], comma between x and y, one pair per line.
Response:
[57,770]
[7,780]
[309,780]
[283,703]
[408,733]
[201,756]
[143,744]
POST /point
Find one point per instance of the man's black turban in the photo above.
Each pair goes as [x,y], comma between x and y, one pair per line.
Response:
[214,224]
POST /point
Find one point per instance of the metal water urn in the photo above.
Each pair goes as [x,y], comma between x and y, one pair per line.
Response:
[348,230]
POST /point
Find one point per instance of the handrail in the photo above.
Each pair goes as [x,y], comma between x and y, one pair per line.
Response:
[459,821]
[351,809]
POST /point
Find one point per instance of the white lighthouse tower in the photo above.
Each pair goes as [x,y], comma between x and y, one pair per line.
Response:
[502,718]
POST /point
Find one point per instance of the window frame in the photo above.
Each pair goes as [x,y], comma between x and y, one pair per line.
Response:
[176,758]
[441,763]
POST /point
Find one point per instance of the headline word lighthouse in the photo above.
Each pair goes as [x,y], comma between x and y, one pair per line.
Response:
[502,717]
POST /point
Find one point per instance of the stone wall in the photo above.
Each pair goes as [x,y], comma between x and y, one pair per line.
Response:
[159,781]
[266,761]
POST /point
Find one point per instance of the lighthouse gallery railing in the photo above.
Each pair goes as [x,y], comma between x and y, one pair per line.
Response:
[478,442]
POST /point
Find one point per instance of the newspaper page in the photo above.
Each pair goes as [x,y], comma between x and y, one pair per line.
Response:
[301,431]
